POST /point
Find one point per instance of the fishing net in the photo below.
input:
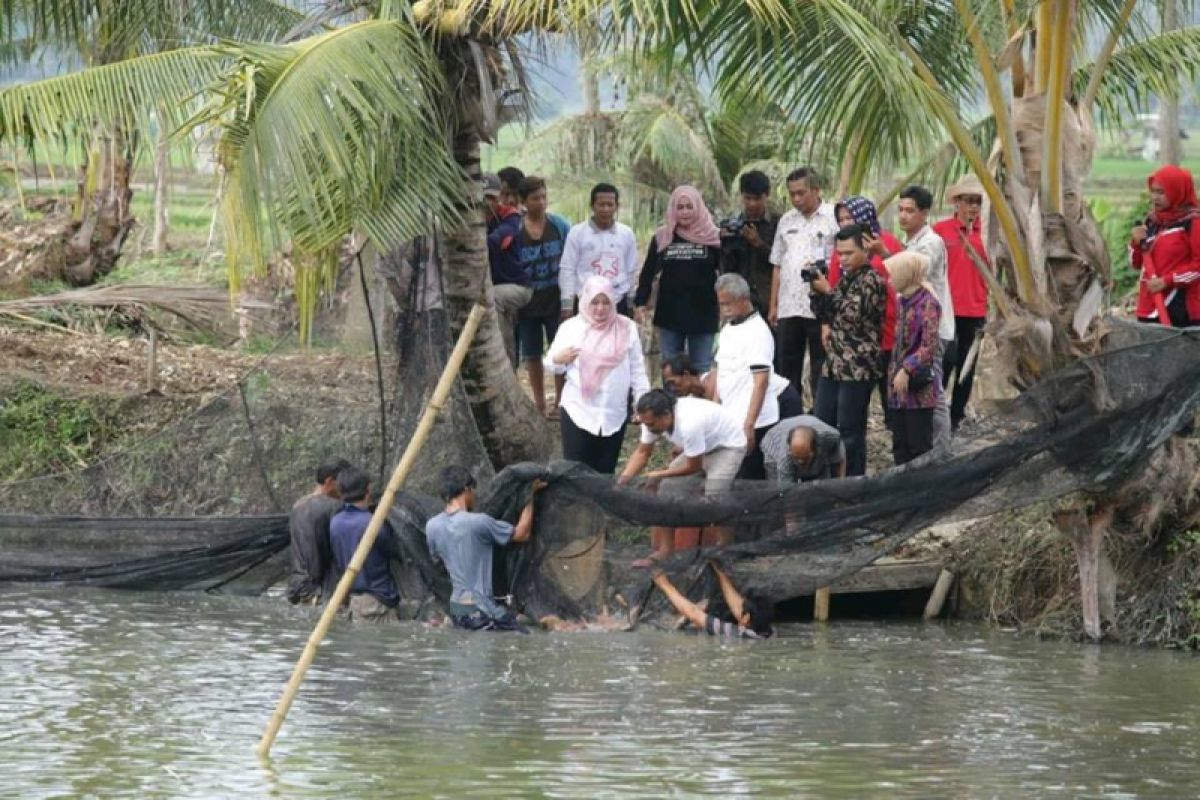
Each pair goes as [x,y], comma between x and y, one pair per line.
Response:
[1090,427]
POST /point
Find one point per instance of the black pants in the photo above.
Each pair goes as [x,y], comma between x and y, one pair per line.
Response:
[598,452]
[912,433]
[845,404]
[885,361]
[753,467]
[793,337]
[1177,312]
[955,360]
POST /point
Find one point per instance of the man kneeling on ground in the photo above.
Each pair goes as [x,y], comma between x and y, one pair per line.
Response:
[373,595]
[751,612]
[464,541]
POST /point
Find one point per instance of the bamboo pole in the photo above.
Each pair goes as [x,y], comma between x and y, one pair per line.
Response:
[821,604]
[1059,42]
[937,598]
[440,393]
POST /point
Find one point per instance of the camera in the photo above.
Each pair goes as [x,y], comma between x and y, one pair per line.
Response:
[819,269]
[731,226]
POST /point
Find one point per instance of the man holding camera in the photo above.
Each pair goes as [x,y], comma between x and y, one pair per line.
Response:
[803,245]
[851,324]
[747,238]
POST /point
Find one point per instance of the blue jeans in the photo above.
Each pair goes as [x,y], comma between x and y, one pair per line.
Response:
[698,346]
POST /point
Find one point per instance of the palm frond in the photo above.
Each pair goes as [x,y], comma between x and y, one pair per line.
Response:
[1158,65]
[342,129]
[125,95]
[655,132]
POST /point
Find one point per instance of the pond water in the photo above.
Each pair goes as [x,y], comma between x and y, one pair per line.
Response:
[109,694]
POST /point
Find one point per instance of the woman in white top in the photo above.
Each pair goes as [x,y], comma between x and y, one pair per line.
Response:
[600,354]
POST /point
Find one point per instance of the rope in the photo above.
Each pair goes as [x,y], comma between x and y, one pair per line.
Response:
[383,437]
[258,459]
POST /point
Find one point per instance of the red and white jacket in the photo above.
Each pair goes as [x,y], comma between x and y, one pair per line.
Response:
[1173,254]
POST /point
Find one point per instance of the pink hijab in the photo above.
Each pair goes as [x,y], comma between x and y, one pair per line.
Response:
[605,344]
[702,230]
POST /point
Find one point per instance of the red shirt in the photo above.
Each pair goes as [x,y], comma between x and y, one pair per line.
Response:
[893,246]
[968,290]
[1174,257]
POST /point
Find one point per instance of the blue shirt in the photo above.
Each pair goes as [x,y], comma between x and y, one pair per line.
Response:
[503,240]
[541,258]
[346,530]
[464,541]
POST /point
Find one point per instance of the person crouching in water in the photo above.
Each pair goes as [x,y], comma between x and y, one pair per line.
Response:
[751,612]
[915,371]
[464,541]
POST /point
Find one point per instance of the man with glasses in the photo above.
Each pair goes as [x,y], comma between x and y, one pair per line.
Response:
[968,290]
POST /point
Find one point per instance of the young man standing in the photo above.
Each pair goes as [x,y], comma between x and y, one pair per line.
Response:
[373,595]
[968,290]
[803,241]
[510,279]
[851,324]
[464,541]
[600,246]
[711,443]
[311,578]
[541,247]
[510,186]
[912,211]
[746,240]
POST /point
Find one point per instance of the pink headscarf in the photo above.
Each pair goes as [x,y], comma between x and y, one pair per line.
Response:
[702,230]
[605,344]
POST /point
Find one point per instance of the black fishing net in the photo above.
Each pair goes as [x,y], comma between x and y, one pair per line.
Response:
[1088,427]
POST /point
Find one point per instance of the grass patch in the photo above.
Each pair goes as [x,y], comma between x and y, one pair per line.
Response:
[42,432]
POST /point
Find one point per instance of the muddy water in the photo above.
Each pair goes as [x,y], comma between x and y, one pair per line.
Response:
[107,694]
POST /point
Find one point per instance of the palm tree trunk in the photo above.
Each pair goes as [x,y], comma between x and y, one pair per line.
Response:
[104,211]
[1170,151]
[508,422]
[162,166]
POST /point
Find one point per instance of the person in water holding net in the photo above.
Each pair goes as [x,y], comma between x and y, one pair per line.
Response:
[750,613]
[711,443]
[311,578]
[374,596]
[465,541]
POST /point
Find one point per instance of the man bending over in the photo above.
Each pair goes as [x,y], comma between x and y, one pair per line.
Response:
[751,612]
[464,541]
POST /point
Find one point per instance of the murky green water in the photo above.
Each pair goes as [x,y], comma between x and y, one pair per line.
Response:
[110,694]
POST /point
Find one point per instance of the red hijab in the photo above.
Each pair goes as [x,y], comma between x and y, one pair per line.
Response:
[1177,185]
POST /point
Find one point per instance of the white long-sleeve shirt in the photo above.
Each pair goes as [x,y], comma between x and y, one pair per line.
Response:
[929,243]
[608,252]
[606,412]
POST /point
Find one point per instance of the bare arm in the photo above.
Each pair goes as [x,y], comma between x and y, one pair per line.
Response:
[525,521]
[773,306]
[690,467]
[637,462]
[733,598]
[682,604]
[757,397]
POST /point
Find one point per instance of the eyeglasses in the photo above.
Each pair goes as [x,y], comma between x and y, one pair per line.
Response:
[971,199]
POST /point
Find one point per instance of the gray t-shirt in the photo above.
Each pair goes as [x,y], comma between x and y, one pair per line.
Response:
[311,575]
[828,451]
[463,541]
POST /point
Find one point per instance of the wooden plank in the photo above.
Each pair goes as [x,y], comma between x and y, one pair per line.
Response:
[894,576]
[937,598]
[821,605]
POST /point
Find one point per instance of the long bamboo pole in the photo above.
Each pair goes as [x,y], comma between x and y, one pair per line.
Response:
[1059,41]
[440,393]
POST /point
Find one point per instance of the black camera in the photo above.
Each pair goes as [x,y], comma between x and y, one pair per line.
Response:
[732,226]
[819,269]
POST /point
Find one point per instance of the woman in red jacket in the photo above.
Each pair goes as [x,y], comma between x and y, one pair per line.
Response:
[1166,250]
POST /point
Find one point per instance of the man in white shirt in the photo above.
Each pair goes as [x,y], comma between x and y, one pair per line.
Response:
[803,241]
[600,246]
[745,379]
[712,444]
[912,211]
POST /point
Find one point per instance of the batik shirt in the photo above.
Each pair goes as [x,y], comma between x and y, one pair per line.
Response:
[854,312]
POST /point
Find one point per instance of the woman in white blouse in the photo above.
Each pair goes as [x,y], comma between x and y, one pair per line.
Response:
[600,354]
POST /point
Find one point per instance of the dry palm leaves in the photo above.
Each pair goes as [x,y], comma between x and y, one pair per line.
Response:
[201,307]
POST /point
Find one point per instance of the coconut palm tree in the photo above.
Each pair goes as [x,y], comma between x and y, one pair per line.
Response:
[100,32]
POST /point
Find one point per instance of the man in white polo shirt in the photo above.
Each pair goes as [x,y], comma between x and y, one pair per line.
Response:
[746,382]
[599,246]
[712,444]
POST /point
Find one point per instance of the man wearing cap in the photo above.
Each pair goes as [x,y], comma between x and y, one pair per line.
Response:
[968,290]
[510,278]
